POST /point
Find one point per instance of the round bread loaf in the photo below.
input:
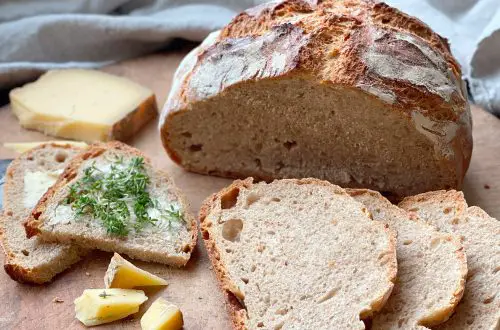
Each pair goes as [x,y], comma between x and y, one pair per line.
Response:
[351,91]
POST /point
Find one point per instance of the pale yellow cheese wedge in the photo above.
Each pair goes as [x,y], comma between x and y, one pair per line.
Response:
[123,274]
[85,105]
[21,147]
[98,306]
[162,315]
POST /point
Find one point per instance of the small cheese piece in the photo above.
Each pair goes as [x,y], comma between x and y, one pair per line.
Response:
[123,274]
[84,105]
[25,146]
[98,306]
[162,315]
[36,184]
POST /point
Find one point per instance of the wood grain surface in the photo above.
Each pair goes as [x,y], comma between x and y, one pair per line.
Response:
[194,288]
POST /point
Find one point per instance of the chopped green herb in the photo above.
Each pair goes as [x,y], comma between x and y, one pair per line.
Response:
[111,196]
[104,294]
[171,215]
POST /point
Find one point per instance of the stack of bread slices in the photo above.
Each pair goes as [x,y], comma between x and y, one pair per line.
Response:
[306,254]
[37,187]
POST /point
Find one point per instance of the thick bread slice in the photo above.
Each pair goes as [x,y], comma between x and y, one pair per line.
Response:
[26,180]
[431,269]
[350,91]
[297,254]
[480,234]
[163,242]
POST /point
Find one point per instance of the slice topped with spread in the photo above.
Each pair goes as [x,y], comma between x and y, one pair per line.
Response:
[111,198]
[27,178]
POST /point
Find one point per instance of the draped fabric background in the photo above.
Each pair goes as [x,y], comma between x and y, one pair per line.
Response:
[40,35]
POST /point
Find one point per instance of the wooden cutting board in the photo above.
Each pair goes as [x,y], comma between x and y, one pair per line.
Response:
[194,288]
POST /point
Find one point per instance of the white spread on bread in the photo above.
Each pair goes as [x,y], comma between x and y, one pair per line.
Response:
[64,214]
[36,184]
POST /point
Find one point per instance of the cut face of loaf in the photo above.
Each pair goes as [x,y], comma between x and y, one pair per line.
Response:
[27,179]
[431,269]
[480,235]
[168,238]
[297,254]
[353,92]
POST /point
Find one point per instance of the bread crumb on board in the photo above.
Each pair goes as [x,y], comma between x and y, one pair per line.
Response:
[87,273]
[57,300]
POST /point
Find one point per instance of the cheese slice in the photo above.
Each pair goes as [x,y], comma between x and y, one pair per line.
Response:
[84,105]
[98,306]
[162,315]
[21,147]
[123,274]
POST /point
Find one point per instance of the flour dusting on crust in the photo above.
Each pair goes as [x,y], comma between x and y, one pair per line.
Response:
[401,57]
[232,61]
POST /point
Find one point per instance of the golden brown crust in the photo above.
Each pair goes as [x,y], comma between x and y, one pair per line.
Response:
[335,35]
[20,274]
[39,276]
[32,224]
[365,45]
[236,310]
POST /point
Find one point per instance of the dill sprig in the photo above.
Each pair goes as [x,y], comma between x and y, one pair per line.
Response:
[111,196]
[170,215]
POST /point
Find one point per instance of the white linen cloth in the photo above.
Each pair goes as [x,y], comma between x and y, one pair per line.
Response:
[39,35]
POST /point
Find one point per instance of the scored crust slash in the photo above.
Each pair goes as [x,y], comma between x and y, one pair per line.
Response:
[353,92]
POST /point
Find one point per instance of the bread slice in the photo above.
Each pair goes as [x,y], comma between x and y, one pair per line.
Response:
[431,269]
[26,180]
[169,240]
[350,91]
[297,254]
[480,235]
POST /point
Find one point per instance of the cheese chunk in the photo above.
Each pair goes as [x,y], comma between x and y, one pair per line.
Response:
[123,274]
[84,105]
[21,147]
[98,306]
[162,315]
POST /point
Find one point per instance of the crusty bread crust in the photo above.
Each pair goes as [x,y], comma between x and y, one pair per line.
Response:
[336,42]
[33,224]
[42,274]
[236,310]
